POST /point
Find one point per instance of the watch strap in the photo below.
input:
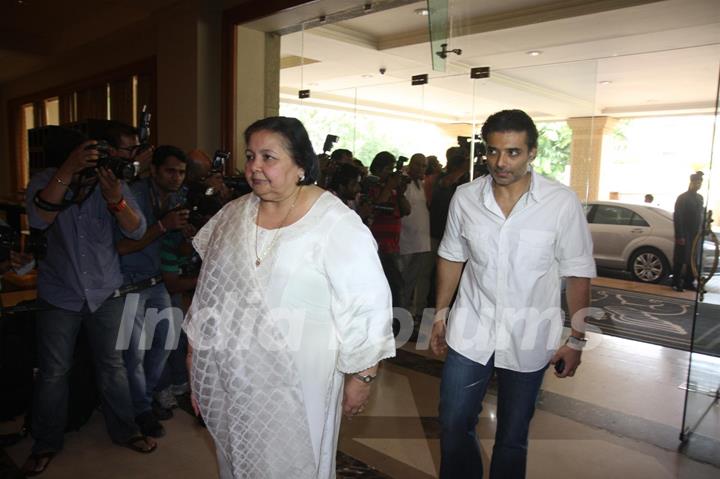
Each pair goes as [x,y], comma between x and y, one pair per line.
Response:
[366,378]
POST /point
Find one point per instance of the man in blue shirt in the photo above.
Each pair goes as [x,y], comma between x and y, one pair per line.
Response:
[149,314]
[79,205]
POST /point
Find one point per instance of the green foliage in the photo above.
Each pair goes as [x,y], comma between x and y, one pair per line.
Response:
[553,156]
[363,135]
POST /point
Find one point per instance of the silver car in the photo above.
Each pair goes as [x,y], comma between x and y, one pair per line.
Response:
[635,238]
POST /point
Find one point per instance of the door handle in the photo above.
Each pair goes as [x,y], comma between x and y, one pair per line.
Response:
[637,230]
[699,240]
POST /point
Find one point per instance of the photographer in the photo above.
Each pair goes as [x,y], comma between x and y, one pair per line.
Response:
[345,183]
[159,199]
[386,195]
[79,205]
[202,173]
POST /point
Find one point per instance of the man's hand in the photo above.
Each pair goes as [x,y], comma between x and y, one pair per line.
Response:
[437,338]
[176,219]
[110,186]
[144,158]
[19,260]
[355,396]
[82,157]
[572,360]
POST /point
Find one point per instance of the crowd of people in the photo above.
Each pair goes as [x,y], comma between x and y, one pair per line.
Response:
[290,293]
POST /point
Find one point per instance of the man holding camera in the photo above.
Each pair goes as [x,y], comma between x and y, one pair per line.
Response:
[386,195]
[149,314]
[79,206]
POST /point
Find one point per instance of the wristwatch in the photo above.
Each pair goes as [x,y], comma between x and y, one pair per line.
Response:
[367,379]
[576,343]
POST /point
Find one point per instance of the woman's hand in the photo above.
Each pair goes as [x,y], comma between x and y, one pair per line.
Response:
[355,396]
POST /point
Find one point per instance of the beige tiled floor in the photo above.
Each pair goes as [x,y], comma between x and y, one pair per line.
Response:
[398,432]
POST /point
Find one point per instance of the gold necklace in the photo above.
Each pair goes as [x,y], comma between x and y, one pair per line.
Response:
[260,257]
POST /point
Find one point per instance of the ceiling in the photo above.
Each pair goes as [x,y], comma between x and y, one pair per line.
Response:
[662,57]
[659,57]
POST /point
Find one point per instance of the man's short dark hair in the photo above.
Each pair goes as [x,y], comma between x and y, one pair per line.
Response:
[511,120]
[112,131]
[340,153]
[381,161]
[343,175]
[297,143]
[457,157]
[163,152]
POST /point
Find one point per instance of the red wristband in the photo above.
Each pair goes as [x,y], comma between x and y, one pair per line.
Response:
[117,207]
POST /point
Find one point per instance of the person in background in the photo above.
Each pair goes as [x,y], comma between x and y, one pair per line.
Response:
[416,260]
[688,222]
[146,345]
[649,198]
[388,205]
[79,205]
[434,169]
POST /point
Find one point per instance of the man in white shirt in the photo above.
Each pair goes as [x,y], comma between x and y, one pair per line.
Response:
[416,260]
[510,238]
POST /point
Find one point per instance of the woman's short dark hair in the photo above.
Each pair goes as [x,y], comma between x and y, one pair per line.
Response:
[381,161]
[297,143]
[163,152]
[511,120]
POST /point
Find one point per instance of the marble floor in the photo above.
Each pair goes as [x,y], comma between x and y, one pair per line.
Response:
[619,417]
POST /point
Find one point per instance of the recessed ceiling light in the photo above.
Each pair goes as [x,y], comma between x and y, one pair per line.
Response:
[606,82]
[422,11]
[534,53]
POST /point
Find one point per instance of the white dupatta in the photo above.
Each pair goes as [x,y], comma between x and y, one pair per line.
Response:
[243,375]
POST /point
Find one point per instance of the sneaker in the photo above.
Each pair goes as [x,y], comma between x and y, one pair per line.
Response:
[149,425]
[180,389]
[165,399]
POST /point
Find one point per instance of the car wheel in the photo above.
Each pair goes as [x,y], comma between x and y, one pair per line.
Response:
[649,265]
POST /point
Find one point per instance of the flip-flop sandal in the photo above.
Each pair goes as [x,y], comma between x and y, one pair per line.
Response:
[37,463]
[140,444]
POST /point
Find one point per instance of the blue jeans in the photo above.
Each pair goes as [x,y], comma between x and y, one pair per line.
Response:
[463,387]
[57,330]
[147,352]
[175,371]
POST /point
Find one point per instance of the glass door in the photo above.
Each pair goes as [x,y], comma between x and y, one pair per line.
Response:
[701,417]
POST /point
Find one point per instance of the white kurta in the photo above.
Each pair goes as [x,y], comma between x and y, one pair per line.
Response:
[324,289]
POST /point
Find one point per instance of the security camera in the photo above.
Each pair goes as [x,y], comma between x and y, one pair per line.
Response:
[383,70]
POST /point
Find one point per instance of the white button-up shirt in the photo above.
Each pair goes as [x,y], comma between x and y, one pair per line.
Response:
[415,232]
[508,303]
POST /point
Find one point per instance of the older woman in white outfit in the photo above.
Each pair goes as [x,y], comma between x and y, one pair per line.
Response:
[291,315]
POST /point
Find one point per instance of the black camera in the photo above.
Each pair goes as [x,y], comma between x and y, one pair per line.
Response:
[122,168]
[330,141]
[144,127]
[202,202]
[219,161]
[237,183]
[192,267]
[10,240]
